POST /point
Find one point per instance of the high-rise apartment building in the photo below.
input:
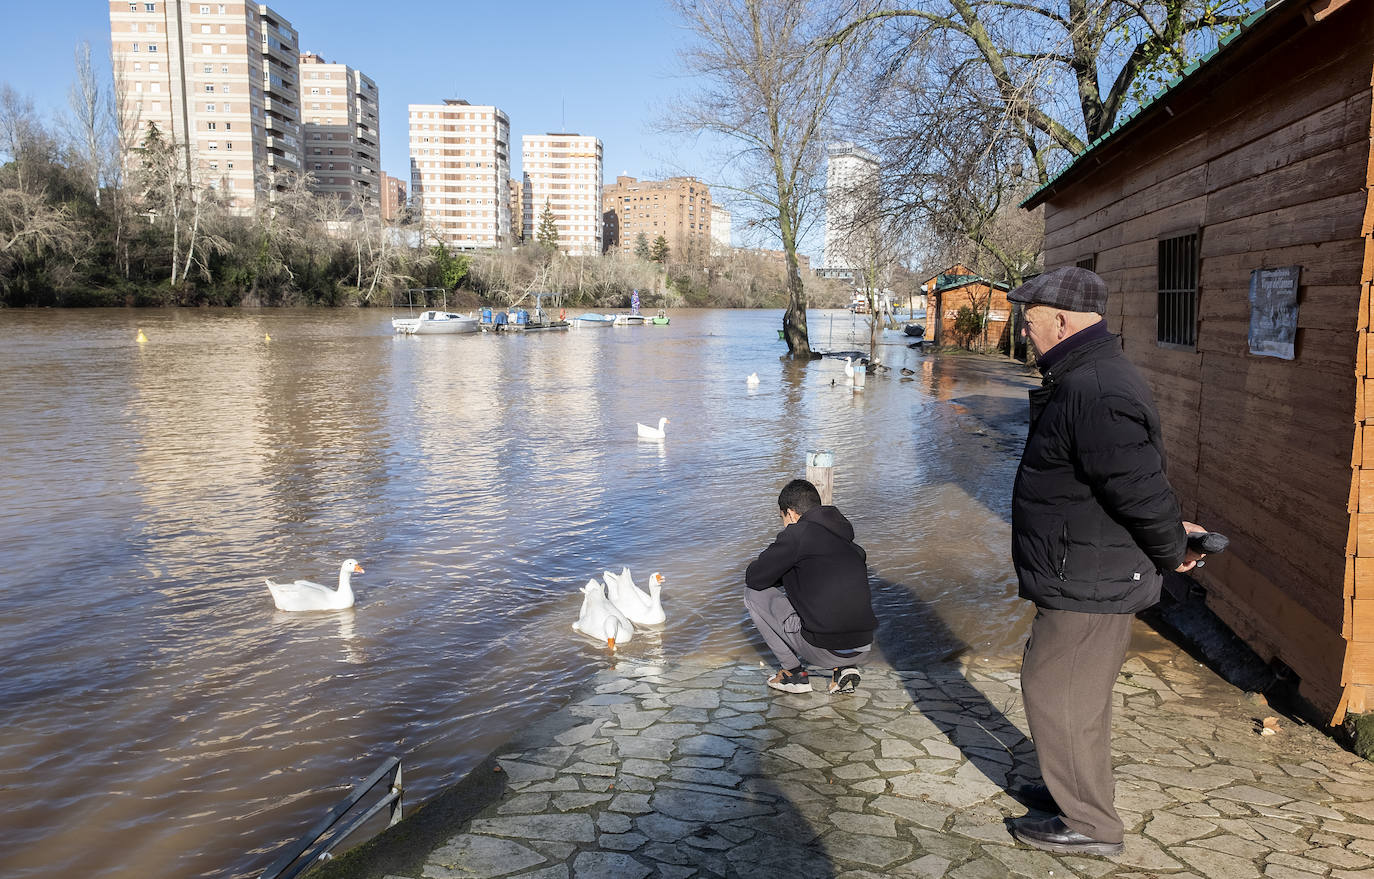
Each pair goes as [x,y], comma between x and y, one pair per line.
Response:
[460,172]
[678,208]
[850,177]
[340,144]
[720,229]
[393,196]
[563,171]
[220,83]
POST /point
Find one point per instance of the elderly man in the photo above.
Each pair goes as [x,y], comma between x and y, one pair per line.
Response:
[1095,524]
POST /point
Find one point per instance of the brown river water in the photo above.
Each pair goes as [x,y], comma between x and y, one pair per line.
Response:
[160,718]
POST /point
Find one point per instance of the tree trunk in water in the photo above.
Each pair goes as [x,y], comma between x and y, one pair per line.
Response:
[794,320]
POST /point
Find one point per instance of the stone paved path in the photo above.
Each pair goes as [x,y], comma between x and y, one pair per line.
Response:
[689,770]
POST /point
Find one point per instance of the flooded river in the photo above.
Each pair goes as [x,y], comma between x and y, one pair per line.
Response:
[159,718]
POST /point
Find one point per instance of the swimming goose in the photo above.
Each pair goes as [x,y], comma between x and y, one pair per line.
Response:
[849,369]
[629,599]
[305,595]
[599,618]
[647,432]
[753,380]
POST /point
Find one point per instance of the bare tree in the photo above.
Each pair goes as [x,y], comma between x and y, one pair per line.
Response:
[1061,72]
[769,92]
[89,122]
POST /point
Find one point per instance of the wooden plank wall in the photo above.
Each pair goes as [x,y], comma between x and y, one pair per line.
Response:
[1357,673]
[1270,165]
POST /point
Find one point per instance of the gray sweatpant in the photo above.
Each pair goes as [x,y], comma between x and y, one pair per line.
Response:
[778,623]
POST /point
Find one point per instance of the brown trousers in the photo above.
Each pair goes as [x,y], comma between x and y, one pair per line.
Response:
[1071,663]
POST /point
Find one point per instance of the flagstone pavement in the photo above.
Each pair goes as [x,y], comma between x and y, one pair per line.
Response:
[692,770]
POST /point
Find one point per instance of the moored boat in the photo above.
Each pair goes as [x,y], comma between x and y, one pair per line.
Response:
[592,319]
[434,323]
[630,320]
[660,319]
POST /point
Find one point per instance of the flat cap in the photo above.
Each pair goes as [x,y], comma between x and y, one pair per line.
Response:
[1069,288]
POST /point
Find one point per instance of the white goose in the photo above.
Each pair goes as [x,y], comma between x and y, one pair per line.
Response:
[640,609]
[849,369]
[305,595]
[753,380]
[647,432]
[599,618]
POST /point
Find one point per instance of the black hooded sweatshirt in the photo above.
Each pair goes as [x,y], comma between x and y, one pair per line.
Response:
[824,573]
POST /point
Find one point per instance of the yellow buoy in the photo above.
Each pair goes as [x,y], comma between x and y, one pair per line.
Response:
[267,337]
[141,338]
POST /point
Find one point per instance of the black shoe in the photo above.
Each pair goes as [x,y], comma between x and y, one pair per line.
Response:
[791,681]
[844,680]
[1053,835]
[1035,796]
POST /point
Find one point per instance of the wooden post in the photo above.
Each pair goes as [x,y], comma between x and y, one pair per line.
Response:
[820,472]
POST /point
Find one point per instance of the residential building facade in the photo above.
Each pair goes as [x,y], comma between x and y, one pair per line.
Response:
[563,171]
[220,83]
[850,175]
[678,208]
[460,172]
[341,147]
[393,197]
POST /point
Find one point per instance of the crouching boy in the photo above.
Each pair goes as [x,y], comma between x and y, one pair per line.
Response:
[808,594]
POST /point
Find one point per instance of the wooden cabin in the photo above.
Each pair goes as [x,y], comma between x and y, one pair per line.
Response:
[1233,220]
[959,286]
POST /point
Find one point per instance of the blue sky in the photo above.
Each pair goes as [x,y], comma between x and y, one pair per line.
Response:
[607,67]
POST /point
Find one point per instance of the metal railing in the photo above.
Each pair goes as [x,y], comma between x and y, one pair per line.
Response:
[295,858]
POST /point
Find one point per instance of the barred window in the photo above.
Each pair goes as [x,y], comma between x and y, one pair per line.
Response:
[1088,262]
[1177,303]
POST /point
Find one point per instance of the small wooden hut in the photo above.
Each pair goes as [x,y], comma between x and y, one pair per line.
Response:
[1233,220]
[959,286]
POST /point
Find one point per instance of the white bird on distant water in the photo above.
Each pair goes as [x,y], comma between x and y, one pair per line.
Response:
[647,432]
[305,595]
[849,369]
[753,380]
[629,599]
[600,619]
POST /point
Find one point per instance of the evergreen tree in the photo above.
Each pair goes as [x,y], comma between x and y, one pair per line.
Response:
[660,252]
[642,246]
[547,235]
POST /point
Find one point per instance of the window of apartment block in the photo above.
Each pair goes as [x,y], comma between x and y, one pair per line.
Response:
[210,126]
[205,10]
[133,7]
[209,87]
[1177,271]
[209,108]
[205,28]
[221,9]
[135,46]
[153,67]
[213,145]
[228,144]
[152,47]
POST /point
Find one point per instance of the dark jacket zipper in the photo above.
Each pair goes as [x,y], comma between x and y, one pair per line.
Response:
[1064,559]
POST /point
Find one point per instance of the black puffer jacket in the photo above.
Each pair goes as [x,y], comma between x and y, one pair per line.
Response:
[1094,520]
[825,575]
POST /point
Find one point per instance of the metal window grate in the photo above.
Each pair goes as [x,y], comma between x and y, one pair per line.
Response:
[1088,262]
[1177,303]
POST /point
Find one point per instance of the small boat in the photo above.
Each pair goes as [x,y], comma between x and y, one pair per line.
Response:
[435,322]
[660,319]
[630,320]
[592,319]
[914,330]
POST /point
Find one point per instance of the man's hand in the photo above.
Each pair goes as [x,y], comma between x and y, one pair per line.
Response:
[1191,558]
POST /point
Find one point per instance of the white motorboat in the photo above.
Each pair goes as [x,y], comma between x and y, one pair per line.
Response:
[593,320]
[630,320]
[435,322]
